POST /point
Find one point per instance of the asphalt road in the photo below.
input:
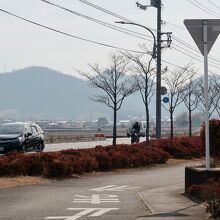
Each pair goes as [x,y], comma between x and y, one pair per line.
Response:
[104,196]
[81,145]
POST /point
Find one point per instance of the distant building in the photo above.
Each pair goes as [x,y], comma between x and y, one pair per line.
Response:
[64,124]
[124,123]
[43,123]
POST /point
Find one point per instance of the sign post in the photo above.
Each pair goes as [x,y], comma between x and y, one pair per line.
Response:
[206,93]
[204,32]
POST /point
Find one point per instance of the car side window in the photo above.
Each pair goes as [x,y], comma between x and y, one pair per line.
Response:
[39,129]
[28,130]
[34,129]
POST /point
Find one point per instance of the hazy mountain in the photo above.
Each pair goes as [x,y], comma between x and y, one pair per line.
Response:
[38,92]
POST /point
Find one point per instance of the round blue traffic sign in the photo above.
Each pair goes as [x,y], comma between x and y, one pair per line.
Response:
[166,99]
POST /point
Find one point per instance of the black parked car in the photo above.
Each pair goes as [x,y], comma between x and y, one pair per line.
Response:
[21,136]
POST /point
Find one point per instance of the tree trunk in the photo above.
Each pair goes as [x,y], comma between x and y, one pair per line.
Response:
[114,128]
[147,124]
[190,116]
[171,124]
[190,123]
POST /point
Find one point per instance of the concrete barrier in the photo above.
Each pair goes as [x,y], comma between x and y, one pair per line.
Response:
[199,175]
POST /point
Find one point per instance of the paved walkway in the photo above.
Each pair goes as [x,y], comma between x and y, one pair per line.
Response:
[88,144]
[169,203]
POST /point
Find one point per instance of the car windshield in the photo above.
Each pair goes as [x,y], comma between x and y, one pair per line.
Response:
[11,129]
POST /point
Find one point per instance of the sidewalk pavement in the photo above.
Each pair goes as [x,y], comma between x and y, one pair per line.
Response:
[169,203]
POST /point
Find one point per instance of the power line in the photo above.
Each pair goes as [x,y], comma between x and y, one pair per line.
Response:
[87,40]
[194,48]
[176,32]
[186,54]
[126,19]
[165,61]
[178,39]
[66,34]
[214,4]
[113,27]
[70,35]
[186,44]
[110,12]
[202,7]
[217,67]
[213,12]
[174,25]
[180,49]
[198,57]
[108,25]
[177,66]
[105,10]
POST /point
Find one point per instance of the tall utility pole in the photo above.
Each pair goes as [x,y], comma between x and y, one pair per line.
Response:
[157,4]
[158,82]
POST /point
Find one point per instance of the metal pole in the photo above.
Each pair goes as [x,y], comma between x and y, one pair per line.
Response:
[158,83]
[205,43]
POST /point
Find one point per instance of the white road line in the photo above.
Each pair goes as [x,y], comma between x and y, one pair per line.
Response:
[103,188]
[114,188]
[84,211]
[102,211]
[59,217]
[96,199]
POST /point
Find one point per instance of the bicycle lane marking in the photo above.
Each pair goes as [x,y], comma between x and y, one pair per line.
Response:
[94,199]
[114,188]
[85,211]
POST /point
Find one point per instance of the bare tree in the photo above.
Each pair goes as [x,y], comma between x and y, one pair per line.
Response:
[190,97]
[144,76]
[217,97]
[213,94]
[175,82]
[114,83]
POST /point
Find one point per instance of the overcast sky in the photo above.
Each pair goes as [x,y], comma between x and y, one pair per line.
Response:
[24,44]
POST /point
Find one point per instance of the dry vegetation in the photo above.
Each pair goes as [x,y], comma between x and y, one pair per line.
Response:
[9,182]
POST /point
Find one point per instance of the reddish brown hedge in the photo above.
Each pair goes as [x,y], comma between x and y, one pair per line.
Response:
[180,147]
[214,137]
[209,192]
[68,162]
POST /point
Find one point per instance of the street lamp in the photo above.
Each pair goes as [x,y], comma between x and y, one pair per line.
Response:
[154,55]
[157,4]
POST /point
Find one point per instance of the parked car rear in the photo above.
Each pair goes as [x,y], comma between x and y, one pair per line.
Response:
[21,136]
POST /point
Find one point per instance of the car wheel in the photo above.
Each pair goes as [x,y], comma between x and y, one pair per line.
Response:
[40,147]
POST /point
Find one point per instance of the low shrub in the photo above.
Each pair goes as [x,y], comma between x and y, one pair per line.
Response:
[54,164]
[209,192]
[214,137]
[181,147]
[68,162]
[78,161]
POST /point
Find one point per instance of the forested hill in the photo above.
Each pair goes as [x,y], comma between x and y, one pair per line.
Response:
[38,92]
